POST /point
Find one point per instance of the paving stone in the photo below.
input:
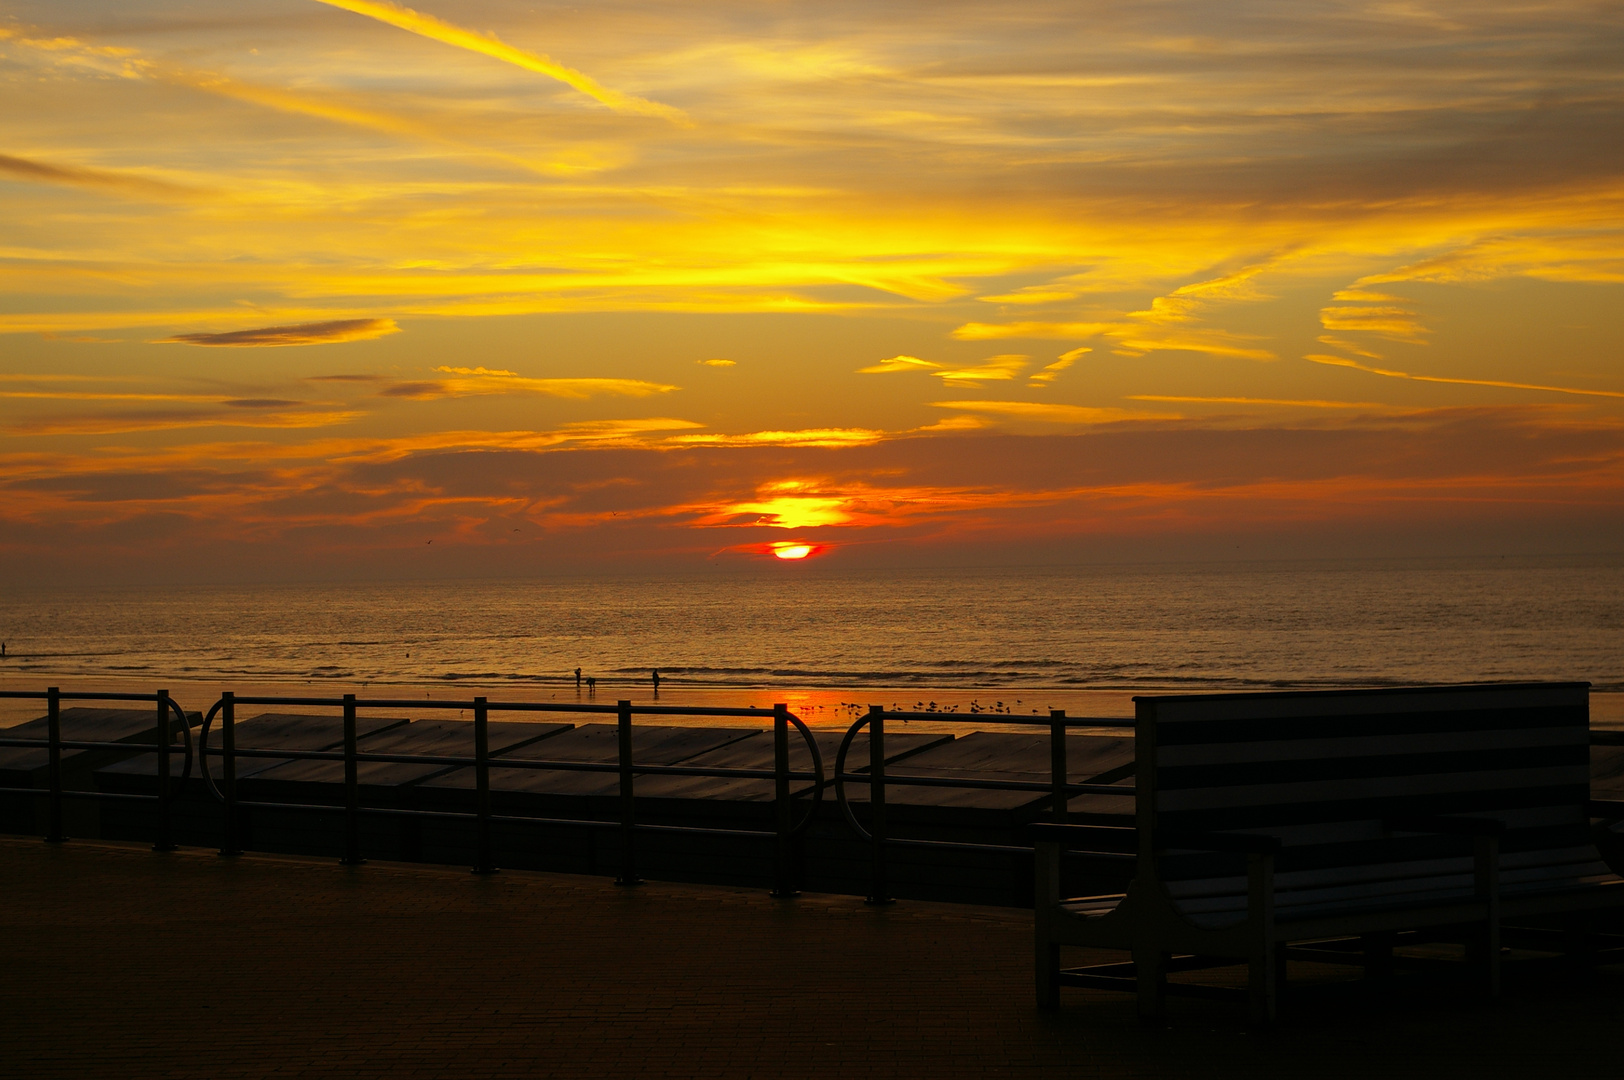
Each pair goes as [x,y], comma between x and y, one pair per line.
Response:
[122,962]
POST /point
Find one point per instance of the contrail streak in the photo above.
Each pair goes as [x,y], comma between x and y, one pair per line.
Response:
[1338,361]
[439,30]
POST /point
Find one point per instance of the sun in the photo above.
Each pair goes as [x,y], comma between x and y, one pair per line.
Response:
[789,549]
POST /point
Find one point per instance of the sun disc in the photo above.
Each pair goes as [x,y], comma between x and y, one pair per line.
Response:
[792,551]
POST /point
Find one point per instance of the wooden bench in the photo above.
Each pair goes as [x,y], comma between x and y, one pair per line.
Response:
[1264,820]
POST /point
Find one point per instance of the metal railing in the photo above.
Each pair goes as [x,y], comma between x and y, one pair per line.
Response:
[784,833]
[53,743]
[1060,789]
[878,778]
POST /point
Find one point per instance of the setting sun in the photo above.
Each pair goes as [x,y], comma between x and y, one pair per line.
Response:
[792,551]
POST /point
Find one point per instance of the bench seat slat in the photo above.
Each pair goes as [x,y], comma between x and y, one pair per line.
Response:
[1388,745]
[1553,778]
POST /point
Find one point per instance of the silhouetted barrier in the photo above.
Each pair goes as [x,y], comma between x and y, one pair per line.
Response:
[624,768]
[1059,791]
[168,720]
[923,814]
[632,778]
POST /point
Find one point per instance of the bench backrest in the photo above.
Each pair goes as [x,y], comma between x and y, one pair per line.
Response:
[1325,771]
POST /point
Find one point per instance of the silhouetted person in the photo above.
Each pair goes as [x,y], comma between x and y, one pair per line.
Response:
[577,678]
[591,685]
[656,674]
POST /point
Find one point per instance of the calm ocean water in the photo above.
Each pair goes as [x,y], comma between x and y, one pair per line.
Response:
[1229,627]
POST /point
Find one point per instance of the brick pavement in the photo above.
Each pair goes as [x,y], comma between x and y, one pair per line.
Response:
[116,961]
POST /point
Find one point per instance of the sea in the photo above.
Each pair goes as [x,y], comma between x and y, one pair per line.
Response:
[831,641]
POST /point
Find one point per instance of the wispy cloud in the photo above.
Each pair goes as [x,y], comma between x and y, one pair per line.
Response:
[1048,413]
[1341,361]
[979,331]
[898,363]
[1396,323]
[1031,294]
[1051,372]
[1185,302]
[1312,403]
[1348,346]
[1131,338]
[338,108]
[128,184]
[808,437]
[439,30]
[474,381]
[322,333]
[229,414]
[993,369]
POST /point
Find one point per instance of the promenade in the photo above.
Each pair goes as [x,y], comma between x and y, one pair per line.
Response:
[118,961]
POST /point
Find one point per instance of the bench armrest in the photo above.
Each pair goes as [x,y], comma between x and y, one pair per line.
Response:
[1452,826]
[1605,808]
[1245,843]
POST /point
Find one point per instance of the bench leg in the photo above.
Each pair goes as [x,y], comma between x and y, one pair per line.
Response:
[1262,984]
[1379,955]
[1578,942]
[1045,898]
[1488,889]
[1150,969]
[1048,974]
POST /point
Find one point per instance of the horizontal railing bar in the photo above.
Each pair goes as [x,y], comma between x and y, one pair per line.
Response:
[457,815]
[904,780]
[79,744]
[69,793]
[1010,718]
[511,706]
[1008,849]
[44,695]
[497,761]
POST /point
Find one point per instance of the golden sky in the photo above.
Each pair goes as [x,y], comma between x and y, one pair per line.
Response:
[296,287]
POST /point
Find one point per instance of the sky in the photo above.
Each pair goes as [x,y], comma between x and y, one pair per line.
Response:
[326,289]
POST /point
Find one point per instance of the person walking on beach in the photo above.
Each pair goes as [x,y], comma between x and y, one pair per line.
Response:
[577,678]
[656,674]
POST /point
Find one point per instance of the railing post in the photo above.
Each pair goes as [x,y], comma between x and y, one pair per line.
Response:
[783,861]
[482,786]
[53,722]
[230,842]
[628,805]
[1057,762]
[352,789]
[879,890]
[163,841]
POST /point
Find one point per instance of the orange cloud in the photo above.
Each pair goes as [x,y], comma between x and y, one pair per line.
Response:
[470,382]
[809,437]
[898,363]
[587,495]
[1338,361]
[1389,322]
[489,45]
[129,184]
[1048,413]
[321,333]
